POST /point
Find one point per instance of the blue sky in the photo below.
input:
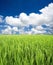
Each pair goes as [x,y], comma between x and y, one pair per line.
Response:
[26,16]
[15,7]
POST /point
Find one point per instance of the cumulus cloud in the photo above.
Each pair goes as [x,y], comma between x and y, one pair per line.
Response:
[13,21]
[24,18]
[8,30]
[46,17]
[33,19]
[40,28]
[15,29]
[47,13]
[36,31]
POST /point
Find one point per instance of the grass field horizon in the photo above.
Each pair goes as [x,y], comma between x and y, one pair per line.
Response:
[26,49]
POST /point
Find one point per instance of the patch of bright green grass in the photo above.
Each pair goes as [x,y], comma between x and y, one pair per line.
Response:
[26,49]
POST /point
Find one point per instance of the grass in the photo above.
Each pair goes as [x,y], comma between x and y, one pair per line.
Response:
[26,49]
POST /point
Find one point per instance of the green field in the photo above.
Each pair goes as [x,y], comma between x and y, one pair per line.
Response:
[26,49]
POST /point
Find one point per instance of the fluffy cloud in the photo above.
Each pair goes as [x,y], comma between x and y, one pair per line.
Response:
[24,18]
[8,30]
[35,20]
[36,31]
[15,29]
[40,28]
[47,13]
[46,17]
[13,21]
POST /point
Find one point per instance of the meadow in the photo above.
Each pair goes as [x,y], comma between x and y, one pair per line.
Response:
[26,49]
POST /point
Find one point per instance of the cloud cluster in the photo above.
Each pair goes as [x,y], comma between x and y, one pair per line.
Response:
[22,23]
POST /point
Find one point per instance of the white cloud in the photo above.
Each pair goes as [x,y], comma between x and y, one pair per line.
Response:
[24,18]
[36,31]
[46,17]
[40,28]
[47,10]
[34,19]
[15,29]
[8,30]
[13,21]
[47,13]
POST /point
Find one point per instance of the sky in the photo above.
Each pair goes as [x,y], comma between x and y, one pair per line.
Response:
[26,16]
[15,7]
